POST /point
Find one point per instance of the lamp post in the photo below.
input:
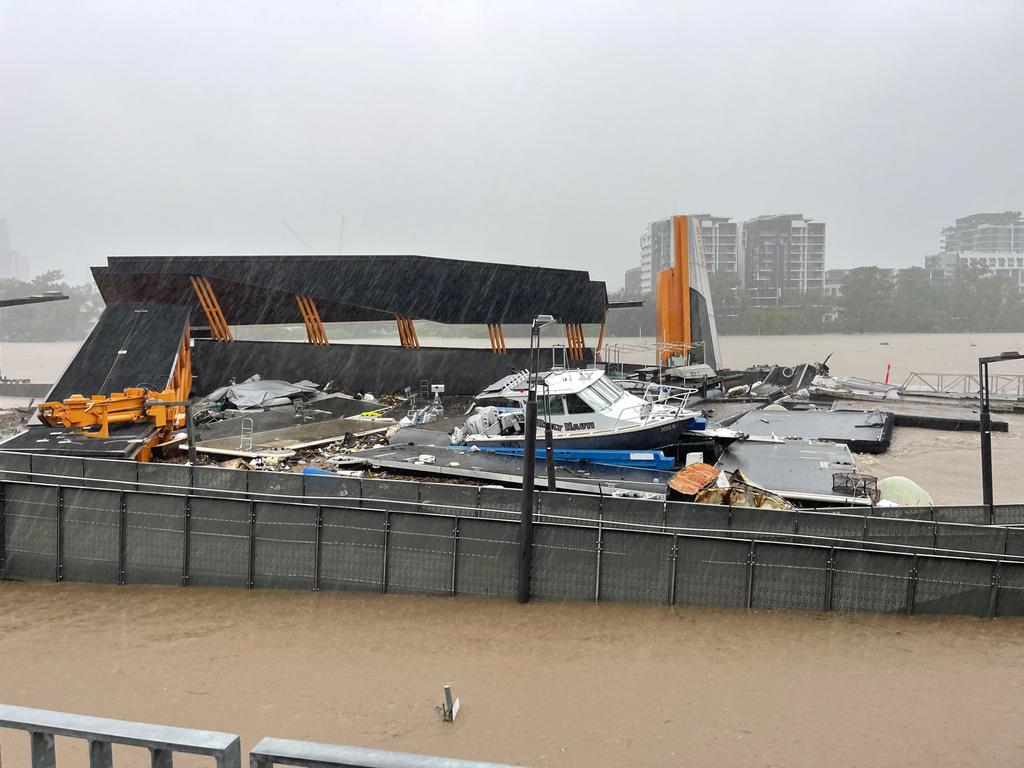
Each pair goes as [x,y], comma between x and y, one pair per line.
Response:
[529,464]
[986,426]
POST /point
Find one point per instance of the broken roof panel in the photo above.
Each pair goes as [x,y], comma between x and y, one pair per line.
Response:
[256,290]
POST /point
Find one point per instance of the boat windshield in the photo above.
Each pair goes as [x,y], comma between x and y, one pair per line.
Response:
[595,398]
[609,389]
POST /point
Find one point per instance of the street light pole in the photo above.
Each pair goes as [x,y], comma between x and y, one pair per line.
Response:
[985,425]
[529,466]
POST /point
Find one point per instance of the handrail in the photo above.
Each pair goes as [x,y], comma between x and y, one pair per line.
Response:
[161,740]
[311,754]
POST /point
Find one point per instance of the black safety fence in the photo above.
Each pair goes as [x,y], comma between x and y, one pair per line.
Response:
[96,534]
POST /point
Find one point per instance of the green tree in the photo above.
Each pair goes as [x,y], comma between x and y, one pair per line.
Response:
[866,303]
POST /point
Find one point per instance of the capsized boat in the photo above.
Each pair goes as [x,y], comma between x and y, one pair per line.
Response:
[587,410]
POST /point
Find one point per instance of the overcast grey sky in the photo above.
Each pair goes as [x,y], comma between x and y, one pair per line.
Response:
[531,132]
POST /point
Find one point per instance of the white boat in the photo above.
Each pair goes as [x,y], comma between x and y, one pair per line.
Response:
[586,410]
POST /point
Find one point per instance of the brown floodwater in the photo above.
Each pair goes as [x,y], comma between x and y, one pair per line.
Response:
[545,684]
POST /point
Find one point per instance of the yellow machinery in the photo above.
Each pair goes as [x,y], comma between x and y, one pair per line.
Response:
[166,410]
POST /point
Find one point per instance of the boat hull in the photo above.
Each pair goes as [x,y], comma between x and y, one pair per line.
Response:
[652,437]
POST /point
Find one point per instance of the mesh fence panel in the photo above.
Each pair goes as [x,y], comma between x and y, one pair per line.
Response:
[636,567]
[1015,541]
[975,515]
[503,499]
[420,553]
[352,550]
[1010,598]
[91,543]
[449,499]
[644,511]
[1008,514]
[790,577]
[951,586]
[901,513]
[970,538]
[488,557]
[218,542]
[15,466]
[324,486]
[154,538]
[712,571]
[844,528]
[395,495]
[30,531]
[58,470]
[763,521]
[681,514]
[217,481]
[110,473]
[564,562]
[910,533]
[870,582]
[567,505]
[164,478]
[285,546]
[275,484]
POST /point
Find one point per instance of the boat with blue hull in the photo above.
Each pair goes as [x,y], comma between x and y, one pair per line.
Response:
[587,410]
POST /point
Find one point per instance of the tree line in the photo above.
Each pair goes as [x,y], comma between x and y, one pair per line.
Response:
[871,300]
[69,320]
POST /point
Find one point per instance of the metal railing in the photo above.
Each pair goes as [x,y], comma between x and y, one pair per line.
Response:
[101,733]
[661,402]
[310,754]
[1001,385]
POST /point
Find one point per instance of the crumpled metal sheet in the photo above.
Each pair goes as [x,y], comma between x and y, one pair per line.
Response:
[255,392]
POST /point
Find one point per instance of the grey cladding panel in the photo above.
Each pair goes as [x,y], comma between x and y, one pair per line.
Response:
[842,529]
[971,538]
[211,480]
[645,511]
[911,533]
[571,505]
[111,473]
[324,487]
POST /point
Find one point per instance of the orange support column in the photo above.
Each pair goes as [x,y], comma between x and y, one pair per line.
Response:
[407,332]
[315,331]
[673,294]
[219,329]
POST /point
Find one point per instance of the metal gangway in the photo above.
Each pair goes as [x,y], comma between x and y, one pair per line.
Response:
[1003,386]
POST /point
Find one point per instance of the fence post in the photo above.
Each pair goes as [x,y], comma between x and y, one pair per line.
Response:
[911,585]
[122,535]
[455,554]
[316,547]
[42,750]
[251,567]
[750,574]
[675,568]
[829,577]
[994,590]
[186,531]
[100,755]
[599,548]
[60,533]
[3,530]
[387,531]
